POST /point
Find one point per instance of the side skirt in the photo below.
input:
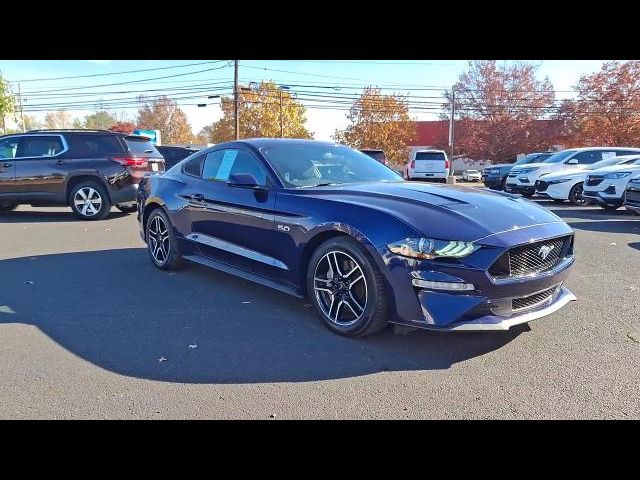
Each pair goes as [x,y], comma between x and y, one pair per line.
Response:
[253,277]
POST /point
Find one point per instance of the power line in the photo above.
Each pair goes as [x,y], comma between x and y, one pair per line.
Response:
[114,73]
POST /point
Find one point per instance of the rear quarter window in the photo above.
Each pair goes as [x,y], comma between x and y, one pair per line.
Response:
[141,147]
[89,146]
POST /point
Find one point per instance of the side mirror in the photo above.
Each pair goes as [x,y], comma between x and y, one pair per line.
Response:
[573,161]
[244,180]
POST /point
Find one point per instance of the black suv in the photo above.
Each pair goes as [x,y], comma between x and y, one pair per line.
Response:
[89,170]
[173,154]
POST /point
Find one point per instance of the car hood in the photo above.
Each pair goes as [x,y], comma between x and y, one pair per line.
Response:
[573,173]
[614,169]
[443,212]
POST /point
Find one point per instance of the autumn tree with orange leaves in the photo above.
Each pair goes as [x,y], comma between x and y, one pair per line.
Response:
[497,108]
[606,110]
[382,122]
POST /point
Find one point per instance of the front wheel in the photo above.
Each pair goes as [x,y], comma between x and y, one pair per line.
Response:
[346,288]
[575,195]
[127,208]
[610,208]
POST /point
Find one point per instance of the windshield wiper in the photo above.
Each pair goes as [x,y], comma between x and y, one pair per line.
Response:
[326,184]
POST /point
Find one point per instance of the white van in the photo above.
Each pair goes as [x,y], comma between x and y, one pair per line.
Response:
[427,165]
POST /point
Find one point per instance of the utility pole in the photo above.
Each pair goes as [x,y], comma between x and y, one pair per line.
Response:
[451,128]
[236,99]
[281,122]
[20,104]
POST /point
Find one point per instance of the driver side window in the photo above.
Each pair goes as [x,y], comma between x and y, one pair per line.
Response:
[588,157]
[9,147]
[221,164]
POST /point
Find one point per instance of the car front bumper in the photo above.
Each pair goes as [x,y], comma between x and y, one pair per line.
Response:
[522,189]
[493,182]
[602,198]
[500,323]
[418,300]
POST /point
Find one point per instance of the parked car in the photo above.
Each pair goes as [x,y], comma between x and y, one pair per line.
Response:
[632,195]
[377,155]
[606,186]
[365,246]
[471,175]
[522,179]
[495,176]
[173,154]
[89,170]
[568,184]
[427,165]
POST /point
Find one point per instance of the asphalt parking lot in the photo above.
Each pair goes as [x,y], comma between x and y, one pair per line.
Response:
[89,329]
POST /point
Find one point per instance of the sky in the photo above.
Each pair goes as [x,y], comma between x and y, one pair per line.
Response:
[88,84]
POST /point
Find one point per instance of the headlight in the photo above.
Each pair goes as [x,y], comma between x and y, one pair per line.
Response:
[617,175]
[560,180]
[635,181]
[528,170]
[428,248]
[493,170]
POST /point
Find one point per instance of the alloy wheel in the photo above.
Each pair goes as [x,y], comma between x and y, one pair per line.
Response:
[340,288]
[87,201]
[158,239]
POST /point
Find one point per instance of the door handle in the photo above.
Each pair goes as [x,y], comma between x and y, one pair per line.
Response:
[60,162]
[7,165]
[198,197]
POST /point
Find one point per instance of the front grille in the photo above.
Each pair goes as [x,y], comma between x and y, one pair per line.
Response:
[532,300]
[633,196]
[532,258]
[541,186]
[593,180]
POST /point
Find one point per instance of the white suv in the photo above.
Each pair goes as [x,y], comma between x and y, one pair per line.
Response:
[523,179]
[606,186]
[427,165]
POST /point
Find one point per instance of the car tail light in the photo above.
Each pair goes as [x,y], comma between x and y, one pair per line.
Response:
[413,164]
[131,161]
[446,164]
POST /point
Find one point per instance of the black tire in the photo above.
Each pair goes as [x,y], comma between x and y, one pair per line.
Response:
[102,209]
[610,208]
[7,208]
[503,185]
[575,195]
[127,209]
[527,194]
[172,260]
[373,316]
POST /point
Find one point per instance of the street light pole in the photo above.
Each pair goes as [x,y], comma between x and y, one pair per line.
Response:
[236,100]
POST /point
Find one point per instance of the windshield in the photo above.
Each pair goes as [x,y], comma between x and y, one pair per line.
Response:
[560,156]
[430,156]
[309,165]
[533,157]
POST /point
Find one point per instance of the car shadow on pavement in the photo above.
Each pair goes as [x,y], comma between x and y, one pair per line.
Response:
[44,216]
[114,309]
[635,245]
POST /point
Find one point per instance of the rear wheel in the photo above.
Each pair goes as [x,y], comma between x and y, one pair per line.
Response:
[7,208]
[127,208]
[161,242]
[346,288]
[89,201]
[575,195]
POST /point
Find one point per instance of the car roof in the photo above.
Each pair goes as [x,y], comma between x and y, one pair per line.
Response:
[270,142]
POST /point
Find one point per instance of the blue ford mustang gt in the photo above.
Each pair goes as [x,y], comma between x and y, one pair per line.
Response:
[324,221]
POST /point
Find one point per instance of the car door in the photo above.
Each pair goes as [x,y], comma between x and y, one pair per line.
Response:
[8,150]
[235,224]
[41,169]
